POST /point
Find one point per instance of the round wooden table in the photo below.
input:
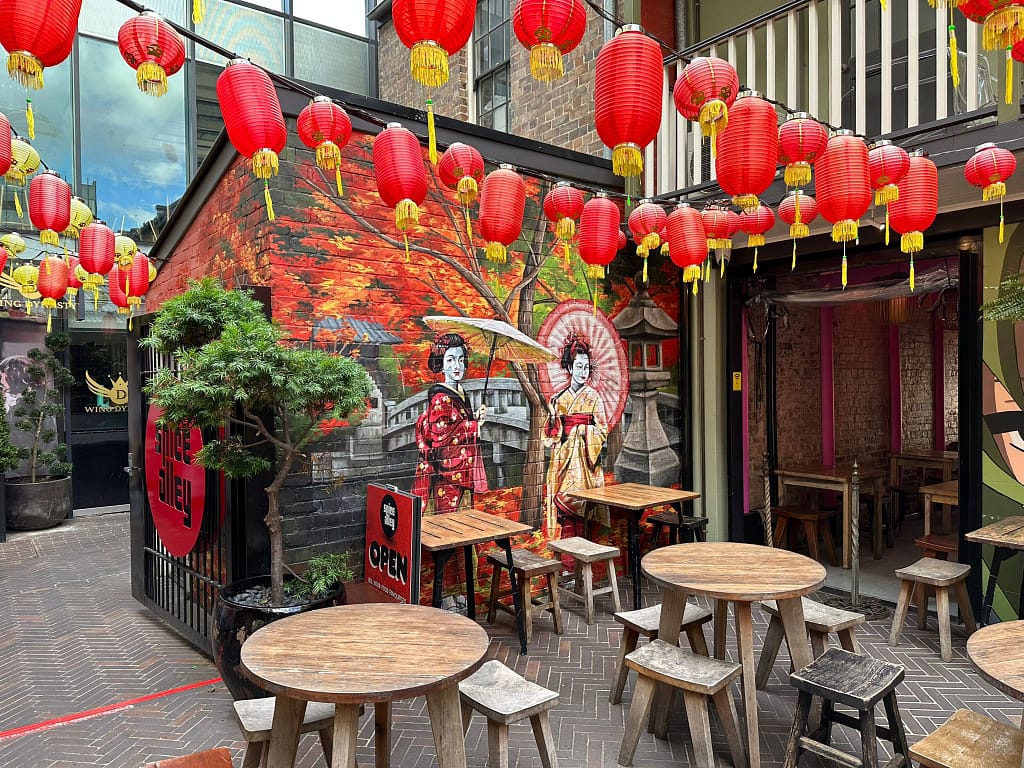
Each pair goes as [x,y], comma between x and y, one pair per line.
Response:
[740,574]
[371,653]
[997,652]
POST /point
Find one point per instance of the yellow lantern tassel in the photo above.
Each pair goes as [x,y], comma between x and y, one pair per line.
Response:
[30,118]
[407,213]
[469,225]
[268,201]
[645,270]
[566,246]
[17,206]
[595,303]
[337,181]
[627,160]
[797,174]
[887,194]
[405,238]
[546,62]
[25,68]
[721,268]
[431,132]
[198,10]
[884,5]
[713,118]
[428,64]
[911,273]
[151,79]
[693,288]
[1000,220]
[1009,77]
[755,261]
[792,266]
[49,237]
[844,265]
[844,230]
[565,229]
[49,319]
[887,225]
[954,64]
[264,163]
[496,253]
[747,202]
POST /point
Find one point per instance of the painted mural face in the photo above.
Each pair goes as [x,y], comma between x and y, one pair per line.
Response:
[1005,420]
[454,366]
[580,371]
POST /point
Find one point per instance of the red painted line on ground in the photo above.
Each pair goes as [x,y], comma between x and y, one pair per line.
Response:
[88,714]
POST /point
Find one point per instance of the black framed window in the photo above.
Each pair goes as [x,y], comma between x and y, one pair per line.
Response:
[491,46]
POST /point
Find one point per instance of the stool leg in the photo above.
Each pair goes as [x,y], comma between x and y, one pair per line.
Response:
[525,588]
[492,603]
[695,634]
[830,546]
[467,715]
[720,624]
[848,640]
[327,743]
[868,743]
[545,741]
[963,601]
[629,640]
[556,609]
[497,745]
[770,652]
[779,537]
[922,606]
[382,734]
[614,584]
[655,535]
[253,754]
[729,721]
[700,728]
[942,609]
[896,731]
[811,534]
[588,592]
[819,643]
[902,603]
[803,707]
[636,719]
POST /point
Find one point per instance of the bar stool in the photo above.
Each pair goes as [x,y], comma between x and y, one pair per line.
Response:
[586,553]
[255,717]
[939,575]
[815,524]
[527,566]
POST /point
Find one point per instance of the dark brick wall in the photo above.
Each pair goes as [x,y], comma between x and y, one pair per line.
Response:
[861,355]
[397,86]
[916,387]
[951,365]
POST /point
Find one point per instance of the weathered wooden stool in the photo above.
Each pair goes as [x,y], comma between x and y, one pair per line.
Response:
[527,566]
[645,621]
[860,682]
[681,528]
[586,553]
[940,575]
[815,524]
[504,697]
[970,740]
[938,546]
[699,677]
[210,758]
[255,717]
[821,621]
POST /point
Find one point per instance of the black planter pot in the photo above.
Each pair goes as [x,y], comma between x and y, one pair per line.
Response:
[235,622]
[34,506]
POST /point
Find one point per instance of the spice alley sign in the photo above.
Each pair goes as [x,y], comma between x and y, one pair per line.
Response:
[393,542]
[175,484]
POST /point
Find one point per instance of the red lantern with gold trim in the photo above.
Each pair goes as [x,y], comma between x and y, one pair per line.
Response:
[599,235]
[37,35]
[49,206]
[4,255]
[887,165]
[325,126]
[461,168]
[720,224]
[843,187]
[502,205]
[401,176]
[117,295]
[756,224]
[136,280]
[798,210]
[563,205]
[549,28]
[917,205]
[645,223]
[53,285]
[153,48]
[433,30]
[6,156]
[76,275]
[627,97]
[748,150]
[96,248]
[688,244]
[802,139]
[704,92]
[989,168]
[1002,21]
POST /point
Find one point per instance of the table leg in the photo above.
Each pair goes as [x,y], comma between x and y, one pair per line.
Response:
[745,645]
[382,734]
[346,723]
[441,558]
[791,611]
[876,520]
[284,732]
[673,604]
[467,553]
[633,553]
[998,556]
[446,725]
[720,625]
[847,533]
[927,513]
[517,602]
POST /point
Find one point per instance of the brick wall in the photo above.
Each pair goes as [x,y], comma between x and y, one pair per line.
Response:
[397,86]
[951,365]
[917,391]
[799,392]
[861,354]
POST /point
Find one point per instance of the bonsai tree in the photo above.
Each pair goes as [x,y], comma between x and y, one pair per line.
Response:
[1009,305]
[9,455]
[234,366]
[38,407]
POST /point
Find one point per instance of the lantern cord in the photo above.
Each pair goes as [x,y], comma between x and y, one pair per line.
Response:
[30,119]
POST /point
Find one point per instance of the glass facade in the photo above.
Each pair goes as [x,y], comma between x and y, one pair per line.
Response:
[491,52]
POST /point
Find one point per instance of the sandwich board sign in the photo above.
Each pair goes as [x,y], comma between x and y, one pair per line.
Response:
[393,542]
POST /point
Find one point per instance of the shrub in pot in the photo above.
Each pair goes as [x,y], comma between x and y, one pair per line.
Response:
[234,366]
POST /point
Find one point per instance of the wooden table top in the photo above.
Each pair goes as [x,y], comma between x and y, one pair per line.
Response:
[460,529]
[997,652]
[836,472]
[1008,532]
[733,571]
[947,490]
[633,496]
[364,653]
[925,455]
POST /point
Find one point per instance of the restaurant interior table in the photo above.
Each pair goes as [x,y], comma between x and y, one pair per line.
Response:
[442,535]
[740,574]
[946,494]
[371,653]
[942,461]
[997,652]
[839,478]
[631,500]
[1007,537]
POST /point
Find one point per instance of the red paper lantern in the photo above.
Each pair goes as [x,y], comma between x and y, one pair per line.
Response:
[802,139]
[37,35]
[96,248]
[49,206]
[4,255]
[688,246]
[53,285]
[720,224]
[917,205]
[1002,21]
[748,150]
[502,205]
[253,118]
[887,165]
[401,175]
[76,275]
[461,168]
[325,127]
[627,97]
[136,279]
[843,187]
[6,158]
[706,89]
[756,224]
[989,168]
[117,295]
[549,28]
[798,210]
[433,30]
[153,48]
[645,223]
[563,204]
[599,234]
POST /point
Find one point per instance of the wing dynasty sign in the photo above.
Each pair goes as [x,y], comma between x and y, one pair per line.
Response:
[393,542]
[175,485]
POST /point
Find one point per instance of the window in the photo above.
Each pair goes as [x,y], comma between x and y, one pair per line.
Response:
[104,17]
[328,57]
[491,62]
[255,35]
[347,16]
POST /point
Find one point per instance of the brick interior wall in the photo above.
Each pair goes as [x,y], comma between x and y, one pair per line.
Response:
[951,366]
[799,393]
[861,354]
[917,390]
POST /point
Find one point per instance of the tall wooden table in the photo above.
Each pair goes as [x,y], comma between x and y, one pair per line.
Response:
[1007,537]
[997,652]
[371,653]
[947,494]
[631,500]
[442,534]
[839,478]
[943,461]
[739,574]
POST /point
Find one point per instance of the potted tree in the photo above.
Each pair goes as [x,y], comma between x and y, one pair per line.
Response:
[9,459]
[234,367]
[41,498]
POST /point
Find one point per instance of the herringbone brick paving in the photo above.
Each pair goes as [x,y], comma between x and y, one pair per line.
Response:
[72,639]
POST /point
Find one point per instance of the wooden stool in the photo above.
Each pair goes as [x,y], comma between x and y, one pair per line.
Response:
[684,528]
[504,697]
[937,546]
[586,553]
[645,621]
[821,621]
[815,524]
[970,740]
[941,575]
[860,682]
[255,717]
[211,758]
[527,566]
[699,677]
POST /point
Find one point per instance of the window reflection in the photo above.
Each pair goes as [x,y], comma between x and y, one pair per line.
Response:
[253,34]
[325,57]
[104,17]
[347,16]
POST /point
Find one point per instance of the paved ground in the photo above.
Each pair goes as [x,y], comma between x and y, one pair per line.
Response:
[73,640]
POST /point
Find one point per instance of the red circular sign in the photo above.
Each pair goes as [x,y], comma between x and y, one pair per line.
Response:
[175,485]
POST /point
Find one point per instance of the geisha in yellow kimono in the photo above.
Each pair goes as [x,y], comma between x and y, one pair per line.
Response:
[575,432]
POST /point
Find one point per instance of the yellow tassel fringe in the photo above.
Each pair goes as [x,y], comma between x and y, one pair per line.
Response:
[546,62]
[993,190]
[328,156]
[30,119]
[407,213]
[651,241]
[713,118]
[627,160]
[25,68]
[498,254]
[799,230]
[565,229]
[954,64]
[151,79]
[747,202]
[1003,28]
[844,231]
[431,133]
[594,271]
[428,64]
[466,190]
[692,274]
[797,174]
[755,240]
[48,237]
[890,193]
[264,163]
[912,242]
